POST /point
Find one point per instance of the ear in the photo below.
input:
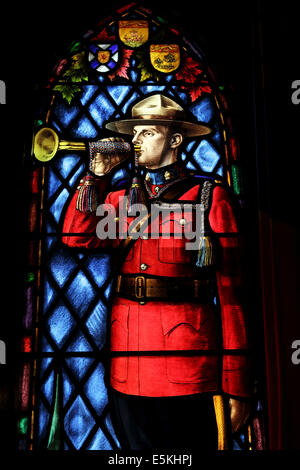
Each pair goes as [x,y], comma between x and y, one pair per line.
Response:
[176,140]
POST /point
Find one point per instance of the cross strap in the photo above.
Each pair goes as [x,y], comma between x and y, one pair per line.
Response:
[171,194]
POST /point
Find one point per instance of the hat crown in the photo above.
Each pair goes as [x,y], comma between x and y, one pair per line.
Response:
[158,110]
[159,106]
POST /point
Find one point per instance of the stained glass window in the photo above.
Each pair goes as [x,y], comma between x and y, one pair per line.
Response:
[63,395]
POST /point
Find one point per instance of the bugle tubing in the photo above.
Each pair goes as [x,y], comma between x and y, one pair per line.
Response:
[46,143]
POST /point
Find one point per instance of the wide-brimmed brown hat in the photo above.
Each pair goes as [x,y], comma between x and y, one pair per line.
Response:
[158,110]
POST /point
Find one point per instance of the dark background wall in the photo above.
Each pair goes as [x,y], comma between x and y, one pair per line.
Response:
[253,47]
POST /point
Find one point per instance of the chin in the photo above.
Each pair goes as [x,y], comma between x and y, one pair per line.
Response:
[146,163]
[143,163]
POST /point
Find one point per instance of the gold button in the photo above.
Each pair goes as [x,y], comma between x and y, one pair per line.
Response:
[144,266]
[167,175]
[147,177]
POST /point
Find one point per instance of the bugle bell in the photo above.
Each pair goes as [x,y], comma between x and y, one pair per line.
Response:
[46,143]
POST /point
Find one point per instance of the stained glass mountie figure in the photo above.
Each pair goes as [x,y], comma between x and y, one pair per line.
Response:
[63,396]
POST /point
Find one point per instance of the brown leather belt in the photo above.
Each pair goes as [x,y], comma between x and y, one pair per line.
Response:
[138,287]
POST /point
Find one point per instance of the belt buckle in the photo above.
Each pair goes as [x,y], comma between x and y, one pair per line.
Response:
[140,287]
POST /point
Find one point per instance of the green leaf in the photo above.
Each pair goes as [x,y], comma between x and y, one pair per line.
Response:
[75,46]
[147,71]
[141,60]
[75,75]
[78,71]
[38,123]
[145,74]
[78,61]
[67,91]
[162,20]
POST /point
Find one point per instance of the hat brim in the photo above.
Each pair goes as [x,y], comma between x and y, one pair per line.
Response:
[190,129]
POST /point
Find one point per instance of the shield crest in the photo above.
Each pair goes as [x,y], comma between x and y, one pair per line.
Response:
[134,33]
[103,57]
[165,57]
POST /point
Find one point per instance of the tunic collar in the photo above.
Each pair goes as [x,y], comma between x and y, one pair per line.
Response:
[166,174]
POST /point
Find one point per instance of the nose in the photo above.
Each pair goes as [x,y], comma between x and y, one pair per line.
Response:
[136,139]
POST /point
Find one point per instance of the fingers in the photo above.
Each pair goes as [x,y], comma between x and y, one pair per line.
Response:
[235,416]
[106,158]
[239,414]
[236,424]
[111,139]
[103,163]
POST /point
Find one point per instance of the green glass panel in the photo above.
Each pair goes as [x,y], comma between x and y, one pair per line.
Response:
[23,425]
[236,180]
[54,441]
[29,277]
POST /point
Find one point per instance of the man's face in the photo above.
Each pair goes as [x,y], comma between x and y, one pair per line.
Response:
[155,145]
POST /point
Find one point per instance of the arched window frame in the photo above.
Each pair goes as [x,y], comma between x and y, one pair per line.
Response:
[44,229]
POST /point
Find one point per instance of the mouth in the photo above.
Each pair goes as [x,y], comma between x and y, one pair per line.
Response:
[138,150]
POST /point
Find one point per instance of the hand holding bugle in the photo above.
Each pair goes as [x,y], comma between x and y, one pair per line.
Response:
[107,153]
[104,154]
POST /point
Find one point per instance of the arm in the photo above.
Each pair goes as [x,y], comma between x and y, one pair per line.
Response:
[79,227]
[237,368]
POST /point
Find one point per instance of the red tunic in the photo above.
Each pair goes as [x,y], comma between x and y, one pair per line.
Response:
[171,325]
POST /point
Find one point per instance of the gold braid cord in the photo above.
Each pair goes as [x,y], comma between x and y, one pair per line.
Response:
[221,422]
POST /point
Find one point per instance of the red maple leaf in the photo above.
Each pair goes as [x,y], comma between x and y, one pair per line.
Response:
[123,67]
[189,70]
[196,90]
[104,36]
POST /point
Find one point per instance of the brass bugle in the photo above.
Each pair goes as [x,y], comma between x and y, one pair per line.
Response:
[46,143]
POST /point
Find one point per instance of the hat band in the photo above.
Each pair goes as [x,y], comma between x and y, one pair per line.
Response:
[175,116]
